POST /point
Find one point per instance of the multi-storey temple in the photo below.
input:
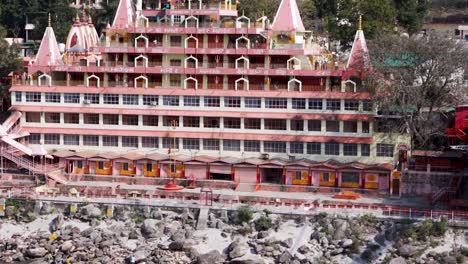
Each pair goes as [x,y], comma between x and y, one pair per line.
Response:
[194,89]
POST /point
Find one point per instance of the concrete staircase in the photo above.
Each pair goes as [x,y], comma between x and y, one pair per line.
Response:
[202,222]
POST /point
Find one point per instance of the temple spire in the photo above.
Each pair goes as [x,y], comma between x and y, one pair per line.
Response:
[125,14]
[359,57]
[288,17]
[48,53]
[360,23]
[50,21]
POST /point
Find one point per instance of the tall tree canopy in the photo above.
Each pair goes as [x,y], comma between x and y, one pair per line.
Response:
[411,13]
[416,77]
[9,61]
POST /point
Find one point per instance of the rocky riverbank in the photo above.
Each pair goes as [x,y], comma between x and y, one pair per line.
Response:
[152,235]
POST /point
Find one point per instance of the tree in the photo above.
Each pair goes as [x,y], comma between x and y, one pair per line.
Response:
[104,15]
[411,14]
[308,13]
[415,77]
[259,8]
[9,62]
[340,18]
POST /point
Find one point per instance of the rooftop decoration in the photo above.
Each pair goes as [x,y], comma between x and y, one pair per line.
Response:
[288,17]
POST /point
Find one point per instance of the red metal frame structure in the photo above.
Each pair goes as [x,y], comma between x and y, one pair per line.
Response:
[459,132]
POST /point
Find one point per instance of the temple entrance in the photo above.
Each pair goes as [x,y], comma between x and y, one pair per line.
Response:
[220,176]
[396,187]
[272,175]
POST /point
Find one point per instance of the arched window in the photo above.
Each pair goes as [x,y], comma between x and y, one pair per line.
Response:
[242,43]
[48,80]
[242,84]
[92,57]
[294,85]
[142,21]
[350,86]
[191,21]
[191,83]
[242,63]
[141,61]
[191,42]
[93,80]
[141,82]
[191,62]
[294,64]
[137,41]
[243,22]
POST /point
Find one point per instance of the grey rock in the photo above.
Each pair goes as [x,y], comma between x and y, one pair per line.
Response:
[141,255]
[179,235]
[36,252]
[9,211]
[237,250]
[66,246]
[157,214]
[263,234]
[46,208]
[90,211]
[449,260]
[248,259]
[149,228]
[406,250]
[398,260]
[176,245]
[285,258]
[287,243]
[134,234]
[219,224]
[380,239]
[336,251]
[211,257]
[57,223]
[303,249]
[346,242]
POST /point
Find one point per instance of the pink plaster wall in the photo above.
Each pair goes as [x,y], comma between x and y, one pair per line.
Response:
[246,174]
[199,171]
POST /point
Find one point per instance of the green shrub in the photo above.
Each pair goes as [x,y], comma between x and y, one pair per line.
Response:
[425,229]
[263,223]
[245,214]
[440,227]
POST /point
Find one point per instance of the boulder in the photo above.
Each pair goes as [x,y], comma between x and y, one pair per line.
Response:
[45,209]
[303,249]
[398,260]
[449,260]
[346,242]
[179,235]
[90,211]
[285,258]
[340,227]
[66,246]
[141,255]
[176,246]
[36,252]
[237,250]
[149,228]
[9,211]
[262,234]
[248,259]
[406,250]
[287,243]
[380,239]
[211,257]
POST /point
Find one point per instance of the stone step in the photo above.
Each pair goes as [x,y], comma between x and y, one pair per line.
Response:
[203,218]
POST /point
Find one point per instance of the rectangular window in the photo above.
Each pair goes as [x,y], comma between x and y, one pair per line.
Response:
[90,140]
[212,101]
[176,41]
[333,104]
[384,150]
[191,143]
[71,118]
[171,100]
[251,145]
[175,81]
[172,143]
[91,99]
[150,100]
[276,103]
[367,106]
[33,97]
[350,126]
[351,105]
[211,144]
[314,125]
[191,121]
[231,145]
[33,117]
[275,124]
[130,99]
[350,177]
[332,148]
[274,146]
[211,122]
[71,140]
[52,118]
[34,138]
[71,98]
[333,126]
[130,120]
[314,148]
[125,166]
[79,164]
[110,141]
[51,139]
[315,104]
[130,142]
[232,122]
[111,99]
[150,142]
[326,177]
[149,166]
[365,150]
[92,119]
[232,101]
[18,96]
[350,149]
[52,97]
[252,123]
[101,165]
[298,103]
[150,120]
[109,119]
[365,127]
[170,121]
[175,62]
[191,101]
[297,125]
[253,102]
[296,148]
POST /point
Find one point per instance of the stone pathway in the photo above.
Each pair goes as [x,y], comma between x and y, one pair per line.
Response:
[203,218]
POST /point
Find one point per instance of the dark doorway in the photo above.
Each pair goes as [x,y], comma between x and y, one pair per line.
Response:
[272,175]
[396,187]
[220,176]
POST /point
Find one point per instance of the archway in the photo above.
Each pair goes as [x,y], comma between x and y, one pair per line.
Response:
[191,62]
[142,21]
[89,81]
[137,41]
[143,59]
[294,85]
[350,86]
[242,84]
[97,60]
[293,64]
[141,79]
[243,22]
[242,63]
[242,43]
[191,42]
[191,21]
[191,83]
[47,77]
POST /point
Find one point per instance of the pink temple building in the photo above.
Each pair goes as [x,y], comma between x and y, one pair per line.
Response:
[193,89]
